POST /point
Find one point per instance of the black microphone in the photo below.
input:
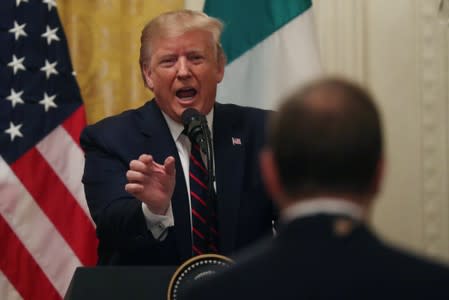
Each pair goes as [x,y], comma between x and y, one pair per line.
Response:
[194,123]
[195,126]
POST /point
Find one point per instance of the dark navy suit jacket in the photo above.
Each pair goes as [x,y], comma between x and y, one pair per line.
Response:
[244,210]
[314,258]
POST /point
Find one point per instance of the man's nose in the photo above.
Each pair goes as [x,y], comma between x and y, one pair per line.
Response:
[183,68]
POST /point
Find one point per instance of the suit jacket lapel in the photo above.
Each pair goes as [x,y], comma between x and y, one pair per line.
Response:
[229,162]
[160,146]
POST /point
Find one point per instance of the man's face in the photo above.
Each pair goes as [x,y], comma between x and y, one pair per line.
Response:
[184,72]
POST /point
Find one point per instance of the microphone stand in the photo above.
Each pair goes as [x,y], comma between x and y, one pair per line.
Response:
[211,175]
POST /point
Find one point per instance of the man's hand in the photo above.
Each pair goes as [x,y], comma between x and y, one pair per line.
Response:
[151,182]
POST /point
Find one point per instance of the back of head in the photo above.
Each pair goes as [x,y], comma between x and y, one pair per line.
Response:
[327,139]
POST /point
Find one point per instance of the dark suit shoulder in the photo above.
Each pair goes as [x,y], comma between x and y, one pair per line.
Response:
[243,113]
[122,121]
[410,263]
[248,121]
[121,129]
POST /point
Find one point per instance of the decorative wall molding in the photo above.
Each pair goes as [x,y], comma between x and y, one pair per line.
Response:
[341,31]
[431,175]
[352,34]
[432,42]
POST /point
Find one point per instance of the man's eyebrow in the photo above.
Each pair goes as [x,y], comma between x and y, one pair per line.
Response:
[167,55]
[195,50]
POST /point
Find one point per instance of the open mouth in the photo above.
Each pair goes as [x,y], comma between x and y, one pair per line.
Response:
[186,93]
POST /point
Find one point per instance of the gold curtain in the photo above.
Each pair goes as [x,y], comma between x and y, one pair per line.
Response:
[104,42]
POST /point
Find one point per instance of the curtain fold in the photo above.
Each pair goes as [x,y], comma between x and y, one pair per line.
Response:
[104,42]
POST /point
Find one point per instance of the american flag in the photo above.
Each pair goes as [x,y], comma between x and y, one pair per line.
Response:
[236,141]
[45,227]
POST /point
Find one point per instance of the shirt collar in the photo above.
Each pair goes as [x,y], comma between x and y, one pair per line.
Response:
[314,206]
[177,128]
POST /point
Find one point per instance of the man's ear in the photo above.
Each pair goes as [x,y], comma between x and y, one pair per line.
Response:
[270,175]
[221,63]
[146,73]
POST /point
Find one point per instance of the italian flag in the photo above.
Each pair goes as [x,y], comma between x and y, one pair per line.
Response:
[271,49]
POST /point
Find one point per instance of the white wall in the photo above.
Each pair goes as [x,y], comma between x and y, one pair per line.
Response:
[399,50]
[194,4]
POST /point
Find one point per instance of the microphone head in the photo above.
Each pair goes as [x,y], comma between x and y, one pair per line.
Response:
[189,115]
[195,127]
[192,121]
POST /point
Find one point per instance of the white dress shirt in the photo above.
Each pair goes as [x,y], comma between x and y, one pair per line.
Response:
[314,206]
[158,224]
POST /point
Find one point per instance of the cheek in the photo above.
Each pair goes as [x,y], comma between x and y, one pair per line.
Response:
[162,80]
[211,78]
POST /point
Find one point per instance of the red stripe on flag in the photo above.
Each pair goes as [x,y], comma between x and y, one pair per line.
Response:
[21,269]
[57,202]
[76,123]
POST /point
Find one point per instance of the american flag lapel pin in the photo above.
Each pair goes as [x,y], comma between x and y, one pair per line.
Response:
[236,141]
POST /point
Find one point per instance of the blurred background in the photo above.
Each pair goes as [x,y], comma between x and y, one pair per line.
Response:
[104,42]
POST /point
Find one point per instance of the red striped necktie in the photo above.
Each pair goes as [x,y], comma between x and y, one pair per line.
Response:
[204,230]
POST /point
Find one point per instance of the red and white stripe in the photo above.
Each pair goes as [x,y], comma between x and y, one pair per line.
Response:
[6,288]
[45,227]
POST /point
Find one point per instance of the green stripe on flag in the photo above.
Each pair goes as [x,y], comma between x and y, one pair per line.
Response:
[248,22]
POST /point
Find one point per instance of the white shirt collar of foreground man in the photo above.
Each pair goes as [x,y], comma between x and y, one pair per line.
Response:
[310,207]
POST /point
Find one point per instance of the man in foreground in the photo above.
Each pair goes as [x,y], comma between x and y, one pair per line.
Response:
[323,166]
